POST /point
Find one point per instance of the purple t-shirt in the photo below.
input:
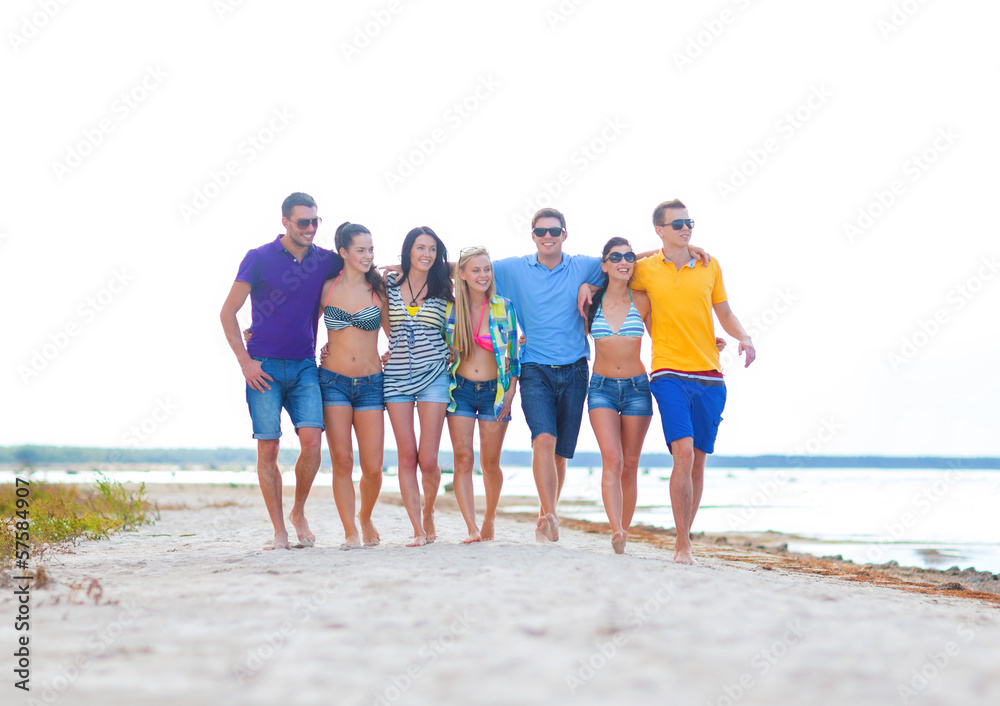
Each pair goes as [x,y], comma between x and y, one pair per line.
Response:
[284,298]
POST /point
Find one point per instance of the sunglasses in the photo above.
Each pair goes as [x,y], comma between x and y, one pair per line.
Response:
[679,223]
[619,256]
[540,232]
[303,223]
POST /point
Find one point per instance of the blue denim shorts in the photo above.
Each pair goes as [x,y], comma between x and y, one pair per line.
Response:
[475,399]
[630,397]
[436,391]
[552,399]
[690,407]
[295,387]
[363,394]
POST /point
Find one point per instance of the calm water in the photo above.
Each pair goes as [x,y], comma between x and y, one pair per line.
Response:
[922,517]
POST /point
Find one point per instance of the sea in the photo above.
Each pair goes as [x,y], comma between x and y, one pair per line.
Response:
[928,518]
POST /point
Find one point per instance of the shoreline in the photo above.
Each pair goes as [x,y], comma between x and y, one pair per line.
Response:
[191,610]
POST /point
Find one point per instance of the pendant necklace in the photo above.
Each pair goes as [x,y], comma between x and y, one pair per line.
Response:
[413,297]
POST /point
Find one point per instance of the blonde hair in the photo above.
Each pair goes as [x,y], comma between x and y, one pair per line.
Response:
[464,335]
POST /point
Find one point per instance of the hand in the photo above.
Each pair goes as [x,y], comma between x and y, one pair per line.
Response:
[521,339]
[391,269]
[255,376]
[747,345]
[720,343]
[452,355]
[508,398]
[247,335]
[324,352]
[385,358]
[700,254]
[584,298]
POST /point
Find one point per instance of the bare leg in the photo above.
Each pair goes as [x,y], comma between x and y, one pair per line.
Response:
[401,417]
[462,430]
[269,478]
[682,497]
[431,416]
[369,427]
[633,434]
[310,454]
[697,481]
[338,421]
[607,428]
[544,466]
[491,435]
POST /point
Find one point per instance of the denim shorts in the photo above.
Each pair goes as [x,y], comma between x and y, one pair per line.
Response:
[363,394]
[295,387]
[630,397]
[436,391]
[690,407]
[552,399]
[476,399]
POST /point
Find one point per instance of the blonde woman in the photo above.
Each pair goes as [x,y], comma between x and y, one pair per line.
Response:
[481,328]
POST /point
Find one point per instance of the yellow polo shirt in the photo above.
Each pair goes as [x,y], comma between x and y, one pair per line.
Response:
[682,299]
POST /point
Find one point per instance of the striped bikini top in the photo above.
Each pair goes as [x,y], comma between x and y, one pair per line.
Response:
[631,326]
[367,319]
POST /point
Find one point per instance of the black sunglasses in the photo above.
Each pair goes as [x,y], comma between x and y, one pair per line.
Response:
[306,222]
[540,232]
[617,257]
[679,223]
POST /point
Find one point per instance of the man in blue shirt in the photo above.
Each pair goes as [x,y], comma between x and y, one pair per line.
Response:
[543,287]
[283,279]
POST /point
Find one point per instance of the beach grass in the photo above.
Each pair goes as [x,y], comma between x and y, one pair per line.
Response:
[58,513]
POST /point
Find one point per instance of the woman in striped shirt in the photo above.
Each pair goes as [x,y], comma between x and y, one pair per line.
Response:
[416,373]
[481,328]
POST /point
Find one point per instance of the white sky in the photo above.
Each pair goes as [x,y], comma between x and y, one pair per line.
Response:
[603,74]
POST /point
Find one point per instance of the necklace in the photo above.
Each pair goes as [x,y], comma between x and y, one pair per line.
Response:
[413,297]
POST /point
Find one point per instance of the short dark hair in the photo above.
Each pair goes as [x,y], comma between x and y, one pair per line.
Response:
[549,213]
[658,211]
[296,199]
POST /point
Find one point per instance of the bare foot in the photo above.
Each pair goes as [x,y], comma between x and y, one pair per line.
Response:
[473,537]
[280,542]
[487,531]
[418,541]
[683,556]
[618,540]
[541,530]
[369,534]
[352,542]
[553,528]
[306,537]
[429,526]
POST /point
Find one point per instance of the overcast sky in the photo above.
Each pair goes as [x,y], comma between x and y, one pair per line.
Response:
[839,159]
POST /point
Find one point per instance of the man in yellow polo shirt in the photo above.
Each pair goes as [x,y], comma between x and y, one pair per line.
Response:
[687,380]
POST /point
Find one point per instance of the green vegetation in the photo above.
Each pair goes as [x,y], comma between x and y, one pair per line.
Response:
[62,513]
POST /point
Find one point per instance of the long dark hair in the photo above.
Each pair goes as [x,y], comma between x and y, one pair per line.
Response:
[343,239]
[596,301]
[439,277]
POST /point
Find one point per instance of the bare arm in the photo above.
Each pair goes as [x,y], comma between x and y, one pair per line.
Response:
[584,298]
[645,309]
[252,371]
[733,327]
[699,253]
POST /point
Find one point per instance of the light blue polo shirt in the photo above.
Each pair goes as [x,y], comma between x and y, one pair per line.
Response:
[545,302]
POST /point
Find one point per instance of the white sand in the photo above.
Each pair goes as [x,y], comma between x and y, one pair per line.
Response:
[212,619]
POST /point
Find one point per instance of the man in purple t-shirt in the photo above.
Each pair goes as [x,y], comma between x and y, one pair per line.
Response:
[283,280]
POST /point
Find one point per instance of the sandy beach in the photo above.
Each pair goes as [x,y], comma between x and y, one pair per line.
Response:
[191,610]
